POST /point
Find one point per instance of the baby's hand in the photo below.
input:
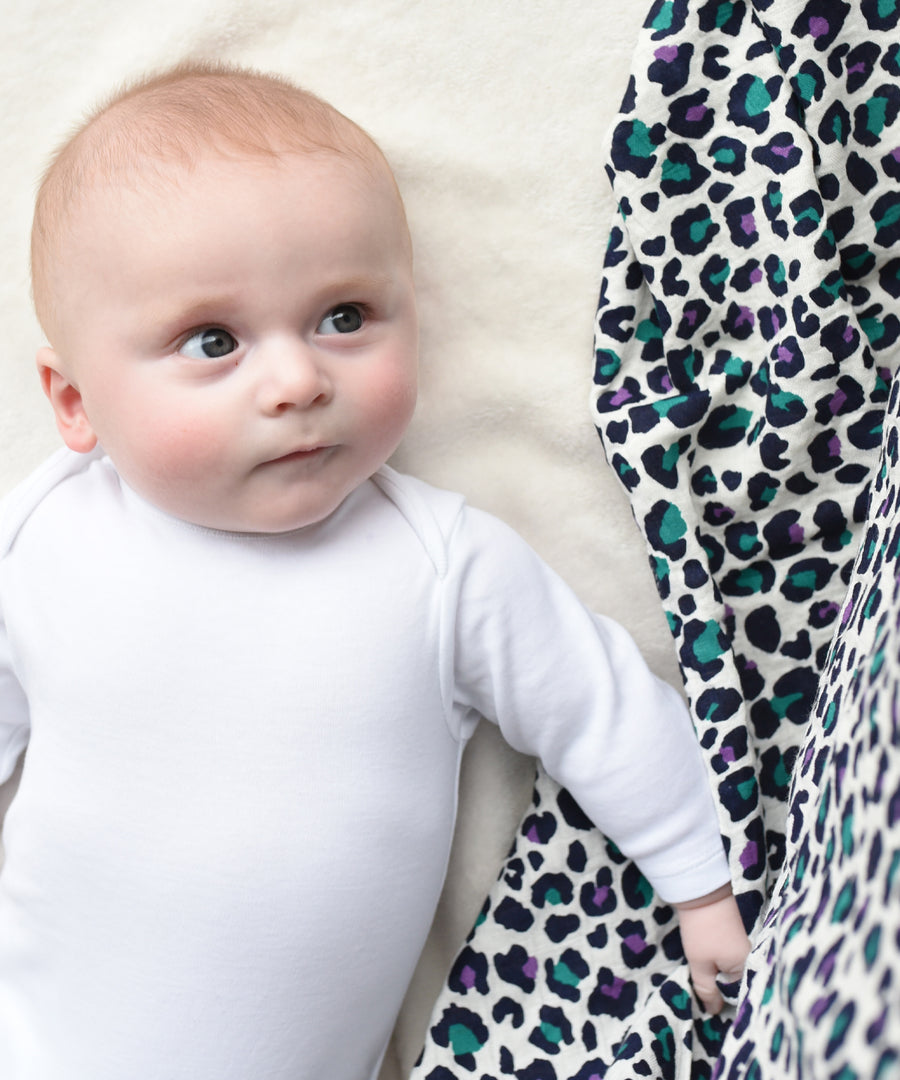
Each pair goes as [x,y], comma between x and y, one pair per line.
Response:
[714,943]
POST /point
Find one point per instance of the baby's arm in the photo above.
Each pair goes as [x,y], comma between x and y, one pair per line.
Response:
[714,941]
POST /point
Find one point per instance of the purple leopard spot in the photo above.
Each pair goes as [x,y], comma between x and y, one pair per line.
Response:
[729,611]
[728,754]
[635,943]
[857,69]
[895,154]
[667,53]
[848,333]
[613,989]
[784,353]
[743,1009]
[467,977]
[847,614]
[722,512]
[877,1027]
[748,224]
[795,532]
[532,835]
[834,446]
[837,400]
[666,383]
[690,317]
[695,113]
[783,151]
[745,316]
[818,26]
[756,275]
[820,1007]
[751,665]
[600,895]
[883,509]
[530,967]
[826,968]
[622,394]
[776,323]
[750,855]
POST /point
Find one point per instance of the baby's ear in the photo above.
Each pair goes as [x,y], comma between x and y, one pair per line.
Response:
[65,397]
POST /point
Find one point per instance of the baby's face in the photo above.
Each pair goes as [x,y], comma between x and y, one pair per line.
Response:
[242,341]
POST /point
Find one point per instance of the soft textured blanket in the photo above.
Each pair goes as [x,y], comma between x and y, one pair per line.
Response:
[493,114]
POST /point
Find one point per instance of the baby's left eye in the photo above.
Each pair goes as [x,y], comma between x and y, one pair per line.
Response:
[346,319]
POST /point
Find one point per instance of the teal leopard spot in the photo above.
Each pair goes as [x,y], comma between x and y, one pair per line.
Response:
[758,98]
[639,143]
[876,115]
[698,230]
[608,364]
[844,902]
[463,1040]
[665,407]
[664,18]
[562,973]
[805,84]
[551,1033]
[675,171]
[710,643]
[648,330]
[673,526]
[847,834]
[872,946]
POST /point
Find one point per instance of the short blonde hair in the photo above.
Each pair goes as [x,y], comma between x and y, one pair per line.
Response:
[178,115]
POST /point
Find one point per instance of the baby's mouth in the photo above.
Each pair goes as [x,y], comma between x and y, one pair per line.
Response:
[303,454]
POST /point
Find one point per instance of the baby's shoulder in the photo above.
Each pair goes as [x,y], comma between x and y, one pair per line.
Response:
[448,528]
[432,513]
[19,505]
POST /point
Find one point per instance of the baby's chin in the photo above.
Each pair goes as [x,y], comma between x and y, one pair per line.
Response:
[270,518]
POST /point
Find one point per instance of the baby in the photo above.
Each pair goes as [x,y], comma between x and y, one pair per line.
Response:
[244,653]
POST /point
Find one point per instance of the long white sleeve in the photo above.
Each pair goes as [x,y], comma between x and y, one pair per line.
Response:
[573,690]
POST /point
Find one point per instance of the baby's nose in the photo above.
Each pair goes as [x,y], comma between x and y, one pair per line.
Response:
[294,377]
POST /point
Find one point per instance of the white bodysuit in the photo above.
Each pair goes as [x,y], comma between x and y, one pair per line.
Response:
[240,787]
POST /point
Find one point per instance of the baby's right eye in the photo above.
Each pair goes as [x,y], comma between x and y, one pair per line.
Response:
[208,344]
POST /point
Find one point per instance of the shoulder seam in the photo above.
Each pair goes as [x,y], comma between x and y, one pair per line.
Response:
[18,505]
[420,514]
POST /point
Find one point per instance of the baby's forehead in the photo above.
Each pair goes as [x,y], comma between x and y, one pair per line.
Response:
[149,142]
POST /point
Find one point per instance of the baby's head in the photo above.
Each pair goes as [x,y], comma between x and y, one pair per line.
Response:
[222,266]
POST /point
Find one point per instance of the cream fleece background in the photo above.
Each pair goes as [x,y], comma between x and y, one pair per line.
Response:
[493,113]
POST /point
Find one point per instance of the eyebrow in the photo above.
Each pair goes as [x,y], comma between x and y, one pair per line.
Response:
[360,283]
[198,312]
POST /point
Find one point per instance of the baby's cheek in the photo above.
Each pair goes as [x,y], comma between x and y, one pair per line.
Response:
[187,449]
[393,398]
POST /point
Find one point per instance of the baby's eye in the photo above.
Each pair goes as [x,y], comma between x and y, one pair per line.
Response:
[208,344]
[346,319]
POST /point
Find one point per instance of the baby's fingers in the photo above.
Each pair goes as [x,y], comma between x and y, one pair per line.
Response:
[703,977]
